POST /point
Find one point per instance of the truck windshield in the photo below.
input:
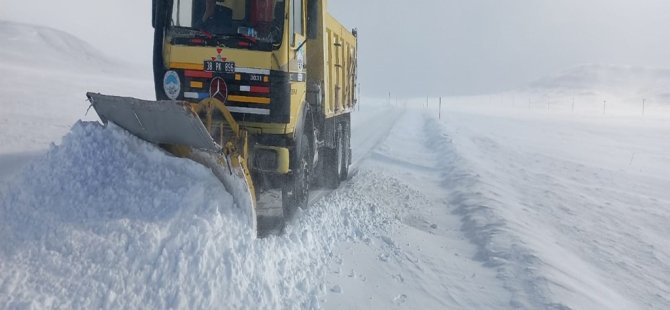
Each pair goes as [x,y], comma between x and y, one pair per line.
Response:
[261,20]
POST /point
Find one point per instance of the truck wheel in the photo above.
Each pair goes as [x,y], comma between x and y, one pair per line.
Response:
[332,162]
[295,192]
[344,145]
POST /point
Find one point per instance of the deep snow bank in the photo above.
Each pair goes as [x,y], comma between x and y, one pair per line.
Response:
[108,221]
[477,202]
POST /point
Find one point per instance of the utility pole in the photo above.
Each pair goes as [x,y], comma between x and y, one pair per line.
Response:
[604,106]
[643,106]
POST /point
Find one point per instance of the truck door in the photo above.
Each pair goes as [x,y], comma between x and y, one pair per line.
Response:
[297,55]
[297,52]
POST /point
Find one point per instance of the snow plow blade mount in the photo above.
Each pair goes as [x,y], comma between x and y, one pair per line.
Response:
[176,126]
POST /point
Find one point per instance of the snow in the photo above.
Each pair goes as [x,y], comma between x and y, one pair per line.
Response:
[573,210]
[44,74]
[424,260]
[105,220]
[512,200]
[29,45]
[626,82]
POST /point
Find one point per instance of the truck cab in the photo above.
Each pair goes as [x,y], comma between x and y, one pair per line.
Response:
[284,71]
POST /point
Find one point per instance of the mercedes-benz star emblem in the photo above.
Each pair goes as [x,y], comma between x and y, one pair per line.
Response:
[218,89]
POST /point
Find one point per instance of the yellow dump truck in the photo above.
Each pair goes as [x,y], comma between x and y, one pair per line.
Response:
[257,90]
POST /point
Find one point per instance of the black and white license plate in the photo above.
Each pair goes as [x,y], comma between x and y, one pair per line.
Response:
[220,66]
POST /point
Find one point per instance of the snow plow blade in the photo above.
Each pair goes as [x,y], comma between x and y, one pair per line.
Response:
[176,126]
[159,122]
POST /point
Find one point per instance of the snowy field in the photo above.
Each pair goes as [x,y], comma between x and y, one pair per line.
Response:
[508,201]
[44,74]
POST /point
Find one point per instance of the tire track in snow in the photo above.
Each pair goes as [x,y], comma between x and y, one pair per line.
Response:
[423,259]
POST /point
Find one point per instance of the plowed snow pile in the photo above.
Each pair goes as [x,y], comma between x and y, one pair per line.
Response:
[107,220]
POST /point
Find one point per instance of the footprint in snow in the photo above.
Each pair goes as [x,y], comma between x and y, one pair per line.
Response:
[400,299]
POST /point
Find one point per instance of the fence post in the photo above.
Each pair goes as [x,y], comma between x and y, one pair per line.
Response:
[439,113]
[359,97]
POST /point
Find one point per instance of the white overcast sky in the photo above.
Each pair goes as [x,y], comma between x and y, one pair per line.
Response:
[423,47]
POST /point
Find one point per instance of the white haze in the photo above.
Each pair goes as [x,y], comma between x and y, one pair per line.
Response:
[431,47]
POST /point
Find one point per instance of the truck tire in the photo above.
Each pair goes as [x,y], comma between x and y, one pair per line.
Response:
[295,191]
[332,162]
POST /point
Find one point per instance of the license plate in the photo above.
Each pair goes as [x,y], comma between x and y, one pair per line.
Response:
[219,66]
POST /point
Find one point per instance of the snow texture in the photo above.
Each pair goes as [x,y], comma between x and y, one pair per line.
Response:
[108,221]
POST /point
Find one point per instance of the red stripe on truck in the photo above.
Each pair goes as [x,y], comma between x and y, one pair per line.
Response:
[260,89]
[198,74]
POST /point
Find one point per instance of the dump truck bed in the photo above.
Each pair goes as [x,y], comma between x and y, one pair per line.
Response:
[332,59]
[341,64]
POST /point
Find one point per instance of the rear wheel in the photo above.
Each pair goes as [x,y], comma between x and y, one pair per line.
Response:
[332,162]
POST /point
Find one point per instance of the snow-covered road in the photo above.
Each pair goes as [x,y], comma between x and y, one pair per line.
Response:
[423,259]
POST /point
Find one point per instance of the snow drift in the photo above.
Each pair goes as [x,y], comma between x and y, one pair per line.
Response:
[568,210]
[106,220]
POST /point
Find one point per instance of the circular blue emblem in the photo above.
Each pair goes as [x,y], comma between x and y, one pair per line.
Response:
[171,85]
